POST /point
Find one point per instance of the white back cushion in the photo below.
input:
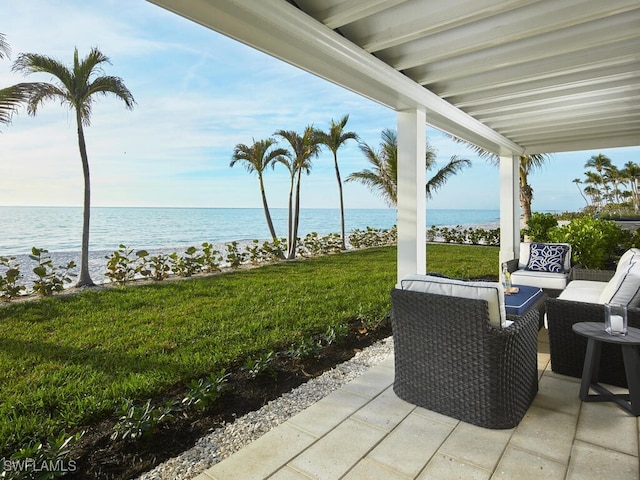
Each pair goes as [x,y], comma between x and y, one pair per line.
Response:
[491,292]
[624,287]
[630,256]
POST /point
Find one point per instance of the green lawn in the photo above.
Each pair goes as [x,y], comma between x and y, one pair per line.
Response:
[66,361]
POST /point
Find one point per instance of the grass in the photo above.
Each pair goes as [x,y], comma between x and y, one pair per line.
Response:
[68,361]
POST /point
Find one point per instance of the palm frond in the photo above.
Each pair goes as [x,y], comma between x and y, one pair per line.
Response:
[5,49]
[454,166]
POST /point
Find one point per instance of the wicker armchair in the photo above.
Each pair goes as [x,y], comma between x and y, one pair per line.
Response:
[450,360]
[568,349]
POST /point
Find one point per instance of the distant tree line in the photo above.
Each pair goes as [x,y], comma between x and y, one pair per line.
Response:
[606,185]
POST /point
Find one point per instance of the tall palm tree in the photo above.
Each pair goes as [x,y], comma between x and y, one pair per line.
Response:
[383,178]
[334,139]
[631,173]
[614,176]
[257,158]
[76,87]
[593,188]
[304,148]
[528,164]
[601,163]
[577,181]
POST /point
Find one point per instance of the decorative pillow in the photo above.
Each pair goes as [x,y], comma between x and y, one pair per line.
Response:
[491,292]
[624,287]
[525,250]
[547,257]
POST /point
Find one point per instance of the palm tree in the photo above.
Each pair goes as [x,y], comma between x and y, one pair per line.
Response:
[594,181]
[631,173]
[528,164]
[577,181]
[257,158]
[304,148]
[383,178]
[334,139]
[601,163]
[76,88]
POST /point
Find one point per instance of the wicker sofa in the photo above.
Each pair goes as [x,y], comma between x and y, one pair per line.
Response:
[450,359]
[583,301]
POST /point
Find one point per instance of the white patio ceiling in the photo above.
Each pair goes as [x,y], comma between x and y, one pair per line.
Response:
[512,76]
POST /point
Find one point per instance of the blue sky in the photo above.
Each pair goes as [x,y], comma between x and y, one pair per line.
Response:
[199,94]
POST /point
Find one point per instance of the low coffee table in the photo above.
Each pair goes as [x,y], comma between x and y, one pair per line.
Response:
[630,344]
[526,298]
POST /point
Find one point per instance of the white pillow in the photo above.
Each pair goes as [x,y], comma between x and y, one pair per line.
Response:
[525,251]
[624,287]
[630,256]
[491,292]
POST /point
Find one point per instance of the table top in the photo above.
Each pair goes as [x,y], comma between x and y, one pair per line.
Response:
[596,330]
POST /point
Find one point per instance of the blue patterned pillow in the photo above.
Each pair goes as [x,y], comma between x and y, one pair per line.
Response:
[545,257]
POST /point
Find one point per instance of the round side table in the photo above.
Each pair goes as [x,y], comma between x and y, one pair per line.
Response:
[630,344]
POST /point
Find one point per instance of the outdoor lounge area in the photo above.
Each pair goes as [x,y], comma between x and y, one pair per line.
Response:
[364,431]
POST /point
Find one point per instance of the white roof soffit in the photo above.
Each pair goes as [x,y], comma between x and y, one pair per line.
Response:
[285,32]
[511,76]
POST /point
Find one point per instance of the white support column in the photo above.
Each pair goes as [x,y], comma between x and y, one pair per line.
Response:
[412,221]
[509,208]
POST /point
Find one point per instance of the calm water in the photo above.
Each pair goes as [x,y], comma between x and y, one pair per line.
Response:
[59,229]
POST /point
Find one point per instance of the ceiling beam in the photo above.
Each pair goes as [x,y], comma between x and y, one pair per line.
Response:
[347,12]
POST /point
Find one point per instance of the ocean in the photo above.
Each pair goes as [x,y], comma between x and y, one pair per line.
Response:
[167,230]
[59,229]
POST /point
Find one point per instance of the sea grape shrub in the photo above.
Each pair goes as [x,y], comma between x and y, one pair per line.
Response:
[274,251]
[188,264]
[474,236]
[50,279]
[373,237]
[539,225]
[122,268]
[157,267]
[210,258]
[314,245]
[255,253]
[595,243]
[9,286]
[234,256]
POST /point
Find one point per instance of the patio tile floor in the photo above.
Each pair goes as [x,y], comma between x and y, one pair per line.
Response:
[364,431]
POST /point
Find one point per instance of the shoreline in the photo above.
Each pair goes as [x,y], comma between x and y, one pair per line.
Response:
[98,260]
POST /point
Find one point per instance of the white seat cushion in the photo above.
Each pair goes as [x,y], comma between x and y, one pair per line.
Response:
[586,291]
[491,292]
[547,280]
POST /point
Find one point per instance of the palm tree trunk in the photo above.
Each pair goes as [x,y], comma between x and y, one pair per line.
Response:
[266,210]
[290,218]
[85,277]
[342,233]
[296,220]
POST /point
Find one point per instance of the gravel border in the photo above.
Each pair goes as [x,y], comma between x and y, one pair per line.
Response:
[231,437]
